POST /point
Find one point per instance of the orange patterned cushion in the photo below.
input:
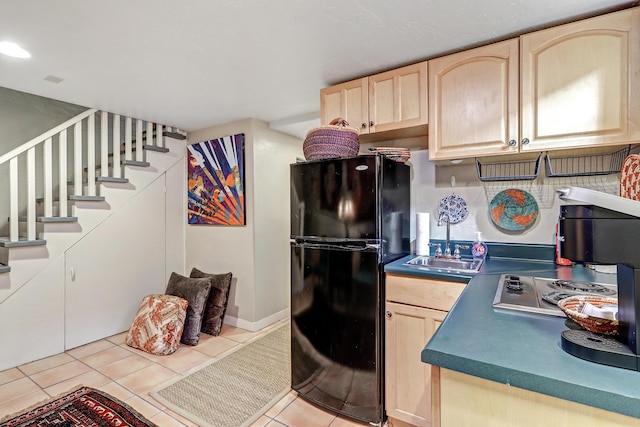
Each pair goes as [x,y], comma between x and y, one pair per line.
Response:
[630,177]
[158,325]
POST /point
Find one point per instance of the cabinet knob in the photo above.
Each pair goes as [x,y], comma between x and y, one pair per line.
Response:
[364,125]
[513,143]
[388,314]
[525,141]
[371,124]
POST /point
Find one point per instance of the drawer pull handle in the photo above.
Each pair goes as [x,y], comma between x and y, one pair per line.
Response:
[388,314]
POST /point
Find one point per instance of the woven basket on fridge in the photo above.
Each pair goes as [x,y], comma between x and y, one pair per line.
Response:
[334,140]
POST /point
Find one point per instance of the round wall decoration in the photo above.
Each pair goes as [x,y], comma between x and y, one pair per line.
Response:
[513,210]
[455,207]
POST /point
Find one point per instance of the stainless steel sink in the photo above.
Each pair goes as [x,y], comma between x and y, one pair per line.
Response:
[446,264]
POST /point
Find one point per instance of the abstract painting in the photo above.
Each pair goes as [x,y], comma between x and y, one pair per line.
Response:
[216,181]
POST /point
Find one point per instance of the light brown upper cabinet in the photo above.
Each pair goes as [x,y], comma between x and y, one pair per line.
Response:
[392,100]
[473,107]
[349,100]
[580,83]
[577,84]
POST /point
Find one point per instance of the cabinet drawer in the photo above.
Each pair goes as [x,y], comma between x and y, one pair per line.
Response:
[429,293]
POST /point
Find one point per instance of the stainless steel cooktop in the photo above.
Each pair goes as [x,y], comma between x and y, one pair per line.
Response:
[540,295]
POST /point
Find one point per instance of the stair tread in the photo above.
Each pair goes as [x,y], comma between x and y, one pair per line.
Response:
[86,198]
[155,148]
[22,242]
[50,219]
[174,135]
[112,179]
[135,163]
[75,197]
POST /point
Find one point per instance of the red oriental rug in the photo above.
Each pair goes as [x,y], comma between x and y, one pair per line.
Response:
[82,407]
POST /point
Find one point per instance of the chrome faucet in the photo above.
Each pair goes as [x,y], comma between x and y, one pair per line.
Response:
[444,216]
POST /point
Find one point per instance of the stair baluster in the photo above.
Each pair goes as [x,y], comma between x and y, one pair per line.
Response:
[48,177]
[13,199]
[77,159]
[31,194]
[117,166]
[62,173]
[104,144]
[138,141]
[91,155]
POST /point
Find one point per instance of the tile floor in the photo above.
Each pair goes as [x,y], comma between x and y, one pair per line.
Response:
[129,375]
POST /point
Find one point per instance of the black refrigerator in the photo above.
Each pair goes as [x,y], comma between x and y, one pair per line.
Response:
[349,217]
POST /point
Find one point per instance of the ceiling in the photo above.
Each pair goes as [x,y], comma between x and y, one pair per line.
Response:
[199,63]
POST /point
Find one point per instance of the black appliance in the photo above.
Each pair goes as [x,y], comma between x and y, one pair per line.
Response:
[349,216]
[607,231]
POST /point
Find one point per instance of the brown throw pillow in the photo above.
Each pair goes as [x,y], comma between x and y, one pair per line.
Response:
[216,305]
[196,292]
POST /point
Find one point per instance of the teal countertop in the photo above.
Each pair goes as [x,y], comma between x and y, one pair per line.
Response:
[522,349]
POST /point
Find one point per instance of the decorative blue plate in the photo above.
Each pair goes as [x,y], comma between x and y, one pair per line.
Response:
[455,207]
[513,210]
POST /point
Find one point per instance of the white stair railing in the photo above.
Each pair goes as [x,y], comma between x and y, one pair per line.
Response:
[88,141]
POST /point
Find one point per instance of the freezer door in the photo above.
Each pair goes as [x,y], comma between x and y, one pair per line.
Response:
[336,340]
[335,198]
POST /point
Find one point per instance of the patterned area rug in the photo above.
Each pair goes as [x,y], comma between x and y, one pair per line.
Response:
[82,407]
[236,390]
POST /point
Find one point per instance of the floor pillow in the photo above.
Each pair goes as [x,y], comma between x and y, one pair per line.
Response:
[158,324]
[217,301]
[196,291]
[630,177]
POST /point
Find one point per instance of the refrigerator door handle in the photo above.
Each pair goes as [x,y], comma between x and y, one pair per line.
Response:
[351,247]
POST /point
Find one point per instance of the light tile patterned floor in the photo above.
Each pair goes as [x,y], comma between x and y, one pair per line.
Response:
[129,375]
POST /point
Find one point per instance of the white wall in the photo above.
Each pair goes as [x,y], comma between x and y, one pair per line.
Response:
[273,152]
[258,253]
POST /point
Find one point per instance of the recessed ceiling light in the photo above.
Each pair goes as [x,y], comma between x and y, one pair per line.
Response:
[53,79]
[12,49]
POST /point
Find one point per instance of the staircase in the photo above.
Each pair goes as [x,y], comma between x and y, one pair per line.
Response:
[56,190]
[68,164]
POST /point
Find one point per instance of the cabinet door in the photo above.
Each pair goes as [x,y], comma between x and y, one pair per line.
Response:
[398,98]
[349,100]
[114,266]
[408,379]
[580,83]
[473,102]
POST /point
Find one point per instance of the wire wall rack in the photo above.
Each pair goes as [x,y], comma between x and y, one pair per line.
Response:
[522,170]
[600,172]
[594,171]
[587,165]
[497,177]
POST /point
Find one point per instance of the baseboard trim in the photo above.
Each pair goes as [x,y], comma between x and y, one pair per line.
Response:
[262,323]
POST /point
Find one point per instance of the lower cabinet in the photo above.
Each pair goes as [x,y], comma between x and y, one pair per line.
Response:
[414,309]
